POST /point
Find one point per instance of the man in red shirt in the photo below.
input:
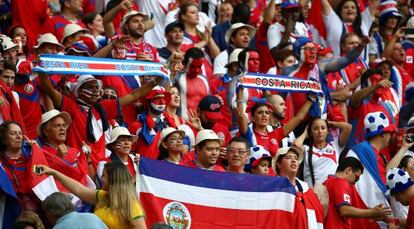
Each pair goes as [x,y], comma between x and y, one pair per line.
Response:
[70,13]
[237,154]
[401,186]
[207,152]
[340,188]
[89,115]
[134,24]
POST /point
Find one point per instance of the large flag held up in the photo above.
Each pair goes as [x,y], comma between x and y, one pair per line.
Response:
[62,64]
[194,198]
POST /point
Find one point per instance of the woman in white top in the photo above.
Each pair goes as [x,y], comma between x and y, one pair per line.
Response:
[346,18]
[322,156]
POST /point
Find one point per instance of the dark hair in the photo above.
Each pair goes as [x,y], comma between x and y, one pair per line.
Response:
[194,53]
[281,54]
[310,151]
[352,162]
[241,13]
[367,74]
[239,139]
[13,30]
[22,224]
[4,128]
[356,25]
[346,36]
[404,161]
[203,143]
[88,18]
[292,149]
[58,204]
[7,65]
[256,106]
[183,10]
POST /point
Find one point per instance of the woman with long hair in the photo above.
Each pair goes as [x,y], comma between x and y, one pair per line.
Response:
[15,153]
[346,18]
[322,154]
[120,144]
[116,204]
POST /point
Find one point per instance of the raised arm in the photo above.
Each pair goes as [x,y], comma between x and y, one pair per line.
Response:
[339,63]
[359,96]
[50,91]
[395,161]
[242,120]
[139,92]
[373,6]
[395,38]
[297,119]
[110,16]
[345,131]
[78,189]
[326,7]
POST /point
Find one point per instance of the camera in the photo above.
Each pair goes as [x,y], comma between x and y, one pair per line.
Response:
[37,170]
[409,138]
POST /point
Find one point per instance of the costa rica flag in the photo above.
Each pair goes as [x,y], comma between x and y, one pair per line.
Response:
[185,197]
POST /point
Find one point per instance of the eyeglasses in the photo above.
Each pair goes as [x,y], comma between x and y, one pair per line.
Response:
[238,151]
[312,49]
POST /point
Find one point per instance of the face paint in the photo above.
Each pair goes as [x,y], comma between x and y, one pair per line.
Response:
[375,79]
[194,68]
[90,94]
[253,63]
[309,53]
[158,109]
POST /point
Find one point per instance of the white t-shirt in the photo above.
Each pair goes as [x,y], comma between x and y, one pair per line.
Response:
[220,62]
[324,161]
[276,30]
[204,19]
[159,8]
[334,29]
[272,70]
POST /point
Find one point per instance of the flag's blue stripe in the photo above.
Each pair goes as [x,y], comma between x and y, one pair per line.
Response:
[215,180]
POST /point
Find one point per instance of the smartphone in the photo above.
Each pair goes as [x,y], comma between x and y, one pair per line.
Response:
[37,170]
[409,138]
[409,31]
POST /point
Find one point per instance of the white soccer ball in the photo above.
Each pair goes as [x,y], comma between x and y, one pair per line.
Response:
[375,121]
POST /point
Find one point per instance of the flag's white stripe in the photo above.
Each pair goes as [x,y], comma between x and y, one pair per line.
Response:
[217,198]
[89,61]
[44,188]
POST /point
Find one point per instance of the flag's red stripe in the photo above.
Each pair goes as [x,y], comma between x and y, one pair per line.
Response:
[212,217]
[99,66]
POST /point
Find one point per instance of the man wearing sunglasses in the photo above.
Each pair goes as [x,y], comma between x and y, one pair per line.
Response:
[343,205]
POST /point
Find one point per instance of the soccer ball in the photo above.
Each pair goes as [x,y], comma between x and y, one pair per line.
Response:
[397,179]
[375,121]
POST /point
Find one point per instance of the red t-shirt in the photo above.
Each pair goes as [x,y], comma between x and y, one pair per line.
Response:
[77,132]
[56,25]
[30,109]
[19,166]
[270,141]
[31,15]
[193,164]
[340,192]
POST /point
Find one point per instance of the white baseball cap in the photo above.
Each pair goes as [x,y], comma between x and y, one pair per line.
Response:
[236,26]
[410,25]
[120,131]
[234,57]
[48,38]
[71,29]
[285,150]
[130,14]
[167,132]
[206,135]
[7,43]
[49,115]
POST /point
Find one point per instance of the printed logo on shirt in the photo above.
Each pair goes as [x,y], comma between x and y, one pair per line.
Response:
[347,198]
[177,215]
[28,88]
[409,59]
[273,141]
[220,135]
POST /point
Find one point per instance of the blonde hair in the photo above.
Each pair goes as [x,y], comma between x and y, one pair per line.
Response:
[31,217]
[122,195]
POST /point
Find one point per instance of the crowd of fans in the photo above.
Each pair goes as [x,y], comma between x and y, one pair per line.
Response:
[359,51]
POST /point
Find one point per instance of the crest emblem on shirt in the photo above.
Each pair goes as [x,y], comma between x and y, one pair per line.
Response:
[347,198]
[409,59]
[28,88]
[273,141]
[177,215]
